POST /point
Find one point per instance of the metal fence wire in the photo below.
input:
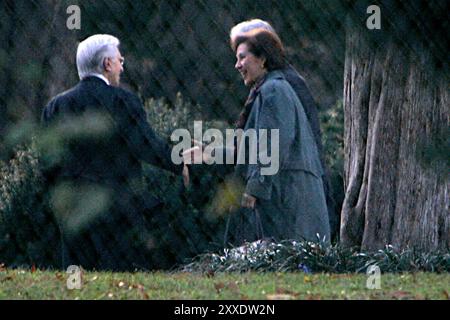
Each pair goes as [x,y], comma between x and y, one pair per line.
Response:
[179,62]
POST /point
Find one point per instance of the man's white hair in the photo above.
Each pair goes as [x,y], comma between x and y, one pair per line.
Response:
[248,25]
[92,52]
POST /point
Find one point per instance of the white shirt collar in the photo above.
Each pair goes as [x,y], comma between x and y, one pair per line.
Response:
[98,75]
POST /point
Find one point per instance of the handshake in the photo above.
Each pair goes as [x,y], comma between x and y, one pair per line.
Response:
[196,155]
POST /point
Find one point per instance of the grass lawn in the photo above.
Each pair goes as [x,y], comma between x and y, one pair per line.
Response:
[37,284]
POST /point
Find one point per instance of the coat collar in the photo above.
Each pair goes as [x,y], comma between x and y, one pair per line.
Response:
[95,78]
[275,74]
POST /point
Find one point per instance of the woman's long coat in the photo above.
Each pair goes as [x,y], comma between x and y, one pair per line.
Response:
[291,202]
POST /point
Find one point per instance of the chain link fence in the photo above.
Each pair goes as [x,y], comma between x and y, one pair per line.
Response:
[178,60]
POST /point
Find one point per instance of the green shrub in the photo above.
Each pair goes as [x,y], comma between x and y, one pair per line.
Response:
[166,118]
[332,125]
[28,234]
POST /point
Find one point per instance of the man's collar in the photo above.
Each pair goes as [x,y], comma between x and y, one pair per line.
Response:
[98,75]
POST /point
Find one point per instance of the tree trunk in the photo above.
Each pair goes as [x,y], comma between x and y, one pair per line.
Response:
[396,102]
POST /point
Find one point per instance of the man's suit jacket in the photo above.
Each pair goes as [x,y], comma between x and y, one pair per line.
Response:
[98,137]
[106,134]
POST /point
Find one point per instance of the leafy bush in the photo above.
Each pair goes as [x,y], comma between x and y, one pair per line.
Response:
[166,118]
[26,226]
[308,257]
[332,125]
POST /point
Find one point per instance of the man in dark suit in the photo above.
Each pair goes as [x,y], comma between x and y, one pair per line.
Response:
[100,136]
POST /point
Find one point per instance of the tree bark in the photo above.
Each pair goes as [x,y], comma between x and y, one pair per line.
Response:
[396,116]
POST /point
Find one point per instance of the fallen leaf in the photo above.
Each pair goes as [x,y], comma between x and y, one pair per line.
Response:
[233,287]
[7,278]
[446,294]
[401,295]
[141,290]
[286,291]
[219,286]
[33,268]
[313,297]
[280,297]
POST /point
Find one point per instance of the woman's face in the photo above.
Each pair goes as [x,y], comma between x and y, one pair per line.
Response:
[250,66]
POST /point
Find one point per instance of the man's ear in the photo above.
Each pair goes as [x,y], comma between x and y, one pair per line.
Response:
[107,64]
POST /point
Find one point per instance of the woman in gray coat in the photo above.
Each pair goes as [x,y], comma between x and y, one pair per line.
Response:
[289,203]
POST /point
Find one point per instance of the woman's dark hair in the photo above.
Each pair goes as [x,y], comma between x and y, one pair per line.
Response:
[263,43]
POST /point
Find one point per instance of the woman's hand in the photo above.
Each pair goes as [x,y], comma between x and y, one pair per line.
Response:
[248,201]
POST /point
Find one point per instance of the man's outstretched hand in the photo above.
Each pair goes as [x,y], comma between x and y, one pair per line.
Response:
[186,176]
[195,155]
